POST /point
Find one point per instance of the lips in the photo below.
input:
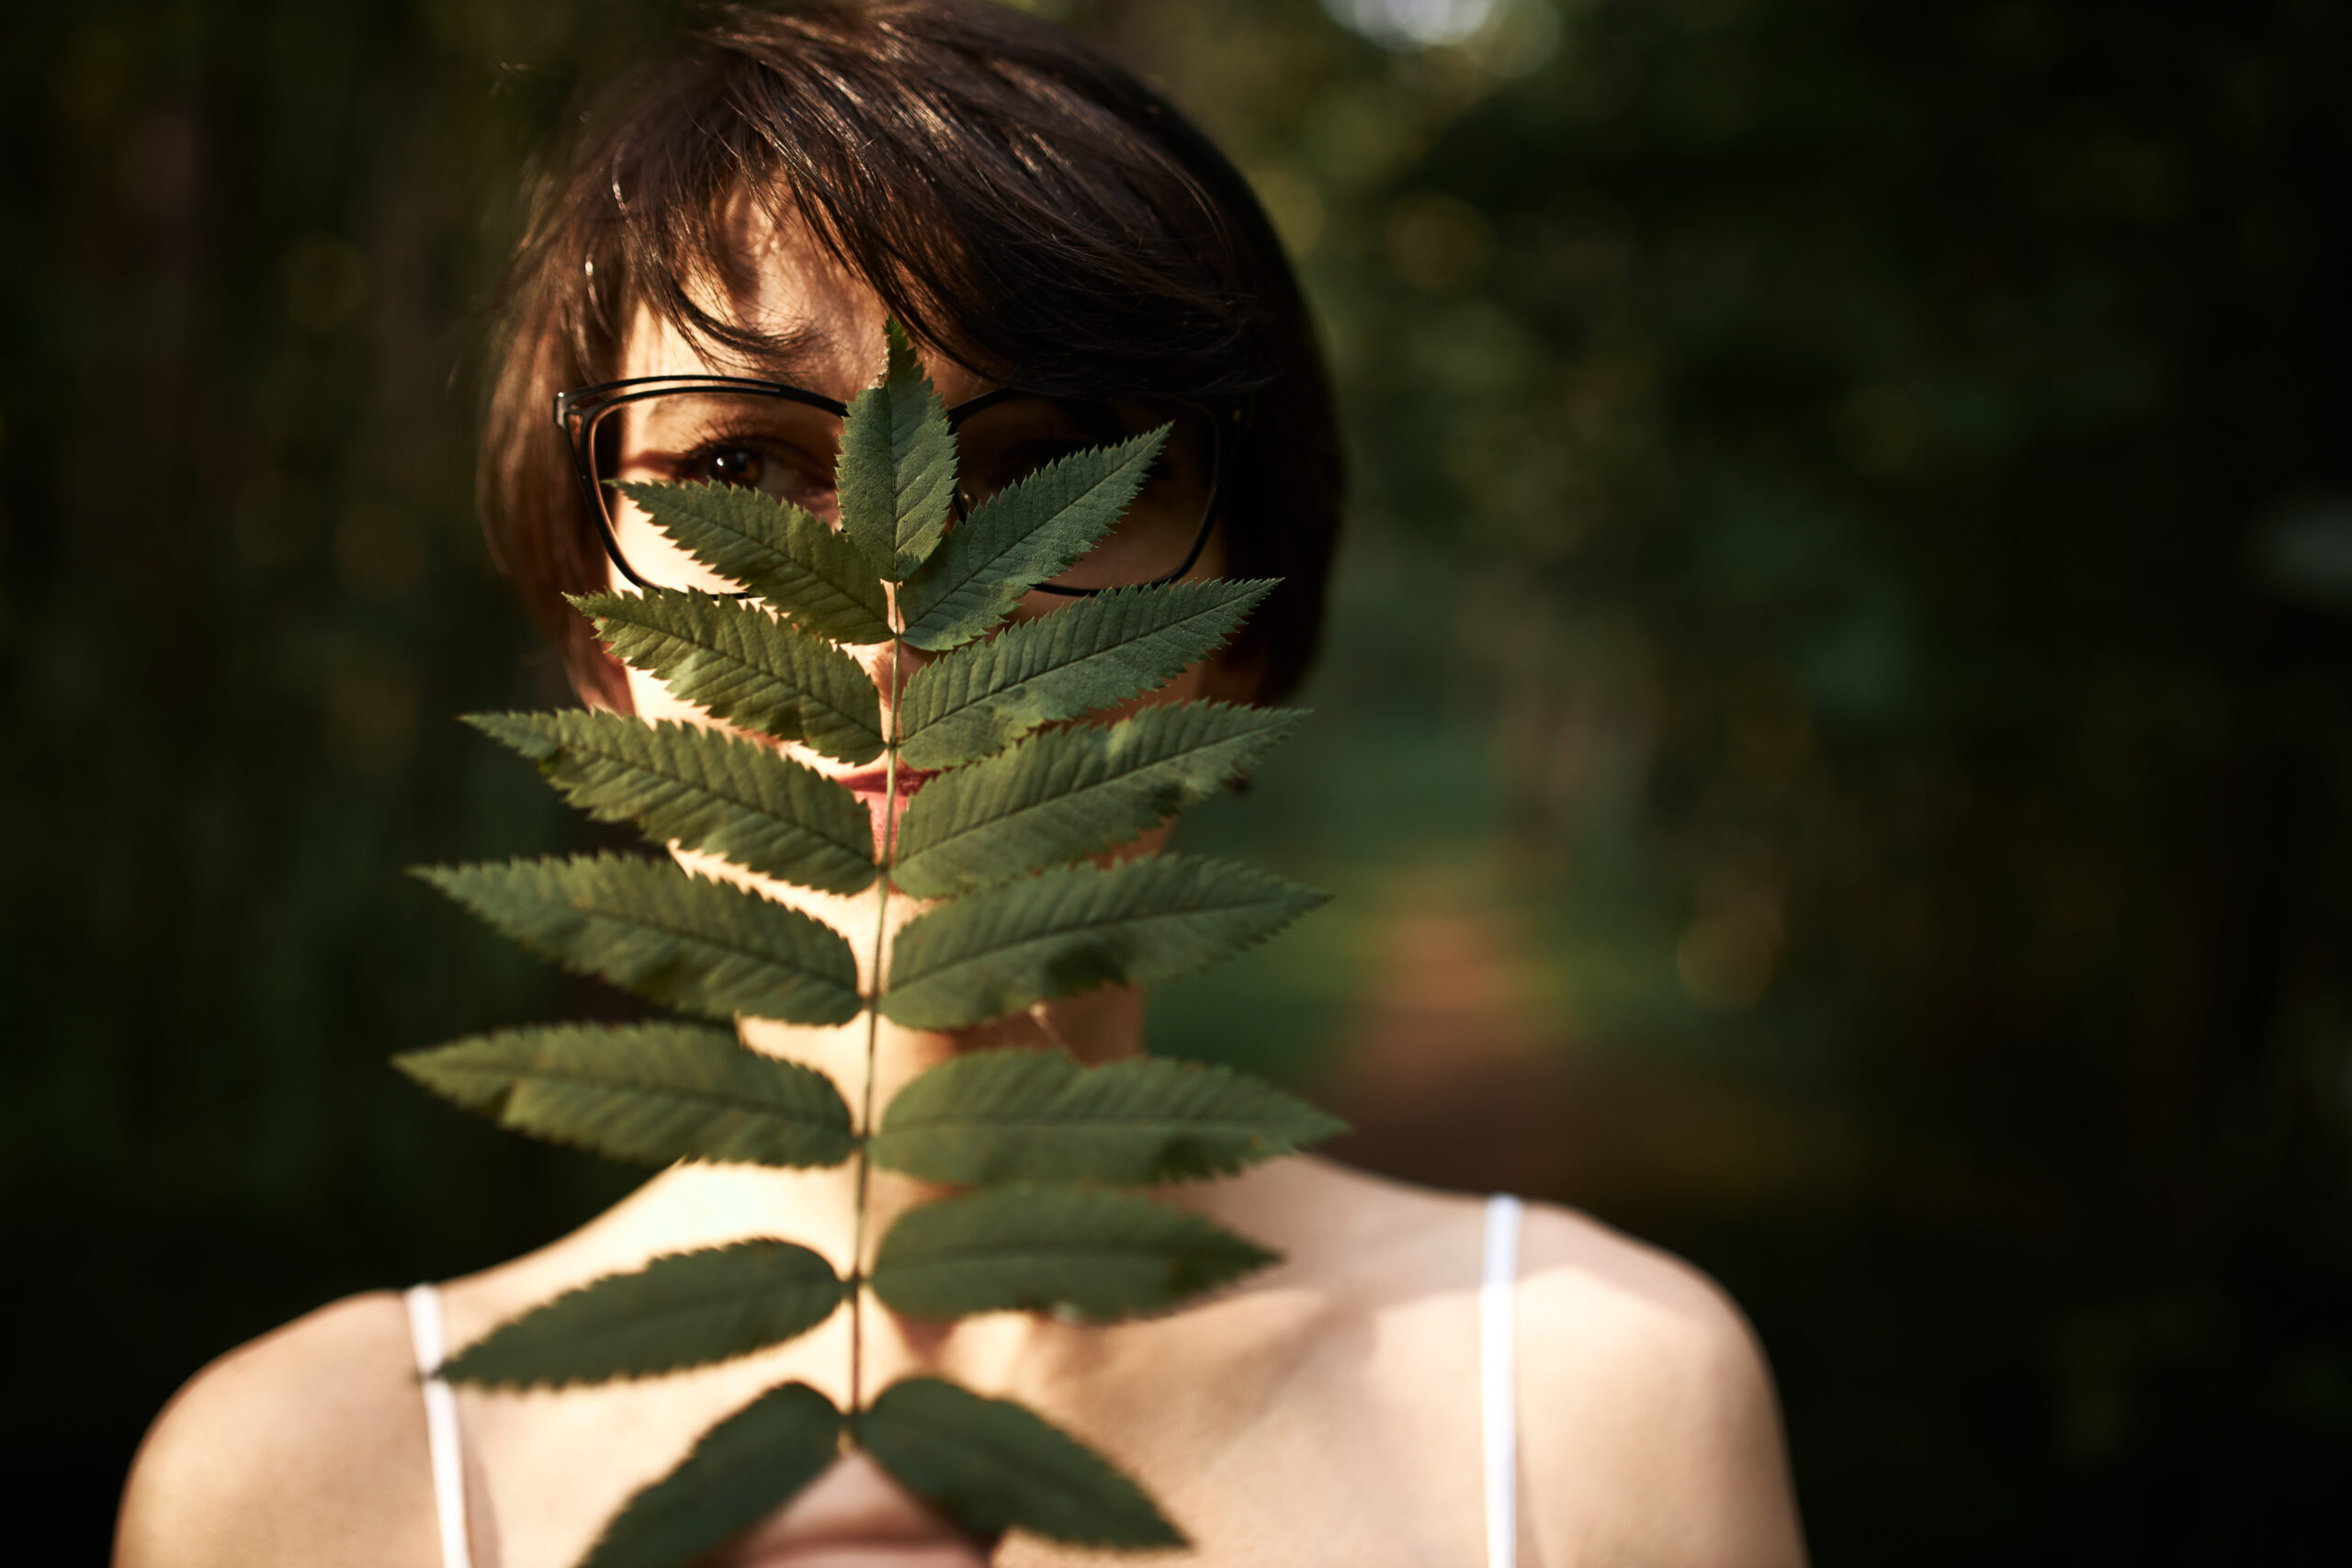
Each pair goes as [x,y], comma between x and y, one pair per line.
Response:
[872,785]
[873,782]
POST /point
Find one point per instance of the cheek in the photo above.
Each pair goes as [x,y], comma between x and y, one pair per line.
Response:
[1203,680]
[652,701]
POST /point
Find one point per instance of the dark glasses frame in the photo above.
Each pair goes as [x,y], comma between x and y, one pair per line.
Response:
[577,411]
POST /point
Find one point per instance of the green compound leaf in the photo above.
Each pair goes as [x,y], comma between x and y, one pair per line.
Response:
[1030,1130]
[896,475]
[702,789]
[1073,792]
[653,1092]
[743,665]
[997,950]
[1074,1251]
[1094,655]
[687,1309]
[799,567]
[684,941]
[744,1470]
[1019,538]
[1022,1115]
[992,1466]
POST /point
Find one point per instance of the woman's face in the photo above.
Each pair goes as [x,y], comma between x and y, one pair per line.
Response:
[831,329]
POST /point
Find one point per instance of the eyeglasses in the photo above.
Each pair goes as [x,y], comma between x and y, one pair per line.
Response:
[783,440]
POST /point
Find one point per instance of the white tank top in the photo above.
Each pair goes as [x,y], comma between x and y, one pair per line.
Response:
[441,1441]
[1497,1412]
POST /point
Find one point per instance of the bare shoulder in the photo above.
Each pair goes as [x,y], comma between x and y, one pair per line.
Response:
[305,1446]
[1581,1281]
[1648,1422]
[1648,1430]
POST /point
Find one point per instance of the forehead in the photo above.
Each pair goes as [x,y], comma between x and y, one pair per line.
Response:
[824,325]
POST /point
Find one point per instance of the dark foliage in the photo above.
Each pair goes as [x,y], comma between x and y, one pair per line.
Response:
[1896,537]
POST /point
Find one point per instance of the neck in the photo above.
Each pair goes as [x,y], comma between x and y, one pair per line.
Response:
[1100,1026]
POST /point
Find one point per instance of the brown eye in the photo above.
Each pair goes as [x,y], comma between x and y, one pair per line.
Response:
[771,471]
[734,466]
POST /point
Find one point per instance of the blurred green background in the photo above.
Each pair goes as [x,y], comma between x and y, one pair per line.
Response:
[1834,748]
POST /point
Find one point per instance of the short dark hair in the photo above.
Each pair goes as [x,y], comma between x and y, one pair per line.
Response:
[1018,201]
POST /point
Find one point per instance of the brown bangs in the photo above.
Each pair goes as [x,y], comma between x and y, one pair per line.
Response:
[1016,201]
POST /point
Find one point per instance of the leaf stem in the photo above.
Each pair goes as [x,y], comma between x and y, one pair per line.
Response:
[873,1037]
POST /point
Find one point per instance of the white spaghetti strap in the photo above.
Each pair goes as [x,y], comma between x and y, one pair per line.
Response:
[1497,1403]
[440,1427]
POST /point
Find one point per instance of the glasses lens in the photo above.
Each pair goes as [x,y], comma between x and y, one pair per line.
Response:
[786,449]
[764,443]
[1001,444]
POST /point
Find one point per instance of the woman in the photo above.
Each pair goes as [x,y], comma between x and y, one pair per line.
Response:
[1426,1378]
